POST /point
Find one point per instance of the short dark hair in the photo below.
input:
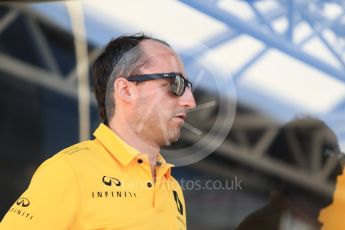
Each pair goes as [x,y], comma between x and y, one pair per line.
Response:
[116,60]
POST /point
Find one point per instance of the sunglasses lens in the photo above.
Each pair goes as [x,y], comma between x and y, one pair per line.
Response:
[178,86]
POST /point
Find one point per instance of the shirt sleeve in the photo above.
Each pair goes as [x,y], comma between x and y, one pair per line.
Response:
[50,202]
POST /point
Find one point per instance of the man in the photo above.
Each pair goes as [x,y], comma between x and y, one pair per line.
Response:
[119,180]
[302,143]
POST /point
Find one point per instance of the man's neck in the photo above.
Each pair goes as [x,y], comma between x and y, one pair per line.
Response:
[122,130]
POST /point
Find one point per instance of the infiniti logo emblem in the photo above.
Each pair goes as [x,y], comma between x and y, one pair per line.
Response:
[22,201]
[109,181]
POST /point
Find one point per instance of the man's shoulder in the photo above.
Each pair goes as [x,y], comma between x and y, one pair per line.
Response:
[71,159]
[175,184]
[173,180]
[78,148]
[70,152]
[78,152]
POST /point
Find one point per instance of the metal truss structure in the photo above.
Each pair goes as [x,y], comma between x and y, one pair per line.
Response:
[261,28]
[238,147]
[48,74]
[242,148]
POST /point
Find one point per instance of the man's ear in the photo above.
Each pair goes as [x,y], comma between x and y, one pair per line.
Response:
[124,89]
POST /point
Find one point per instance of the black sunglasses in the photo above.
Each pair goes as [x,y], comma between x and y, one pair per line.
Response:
[177,87]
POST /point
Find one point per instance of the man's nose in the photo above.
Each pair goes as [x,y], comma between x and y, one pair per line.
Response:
[187,99]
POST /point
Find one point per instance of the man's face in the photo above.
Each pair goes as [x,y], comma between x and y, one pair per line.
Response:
[159,114]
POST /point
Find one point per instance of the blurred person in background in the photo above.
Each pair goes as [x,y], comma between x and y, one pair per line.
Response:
[119,180]
[292,206]
[332,217]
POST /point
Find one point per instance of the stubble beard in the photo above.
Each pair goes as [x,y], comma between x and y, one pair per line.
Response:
[158,132]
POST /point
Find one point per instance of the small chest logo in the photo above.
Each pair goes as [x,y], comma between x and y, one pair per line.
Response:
[22,201]
[178,203]
[109,181]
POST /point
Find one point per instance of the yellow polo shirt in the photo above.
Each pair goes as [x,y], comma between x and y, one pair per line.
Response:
[99,184]
[332,217]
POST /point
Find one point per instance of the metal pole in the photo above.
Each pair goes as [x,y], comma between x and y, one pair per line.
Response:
[78,27]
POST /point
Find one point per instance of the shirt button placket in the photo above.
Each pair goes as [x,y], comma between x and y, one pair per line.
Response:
[149,184]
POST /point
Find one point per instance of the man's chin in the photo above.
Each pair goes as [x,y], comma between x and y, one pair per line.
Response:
[173,138]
